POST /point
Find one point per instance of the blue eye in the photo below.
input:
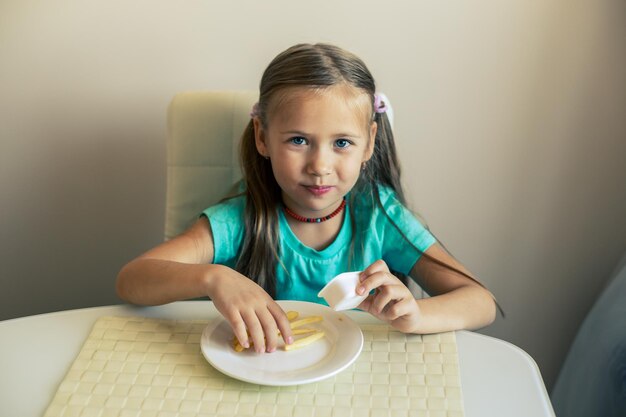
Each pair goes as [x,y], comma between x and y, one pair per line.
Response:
[342,143]
[298,140]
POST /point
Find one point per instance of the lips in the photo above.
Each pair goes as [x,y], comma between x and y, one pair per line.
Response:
[318,190]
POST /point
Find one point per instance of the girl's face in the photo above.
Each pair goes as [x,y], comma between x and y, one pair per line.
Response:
[317,141]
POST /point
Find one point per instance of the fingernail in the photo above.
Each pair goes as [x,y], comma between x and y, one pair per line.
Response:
[246,345]
[289,340]
[360,289]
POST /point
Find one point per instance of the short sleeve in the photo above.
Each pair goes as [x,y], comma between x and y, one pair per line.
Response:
[226,220]
[404,238]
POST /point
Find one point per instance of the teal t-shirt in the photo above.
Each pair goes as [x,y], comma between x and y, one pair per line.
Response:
[303,271]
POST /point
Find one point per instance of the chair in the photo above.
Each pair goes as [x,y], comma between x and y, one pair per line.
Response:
[203,135]
[592,381]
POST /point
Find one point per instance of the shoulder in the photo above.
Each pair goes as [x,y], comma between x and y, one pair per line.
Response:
[381,208]
[226,210]
[226,220]
[388,197]
[387,222]
[375,200]
[374,208]
[231,205]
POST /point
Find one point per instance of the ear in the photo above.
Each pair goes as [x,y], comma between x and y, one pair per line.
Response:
[259,137]
[370,146]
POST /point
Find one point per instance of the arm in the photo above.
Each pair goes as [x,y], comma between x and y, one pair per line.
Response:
[456,301]
[182,268]
[175,270]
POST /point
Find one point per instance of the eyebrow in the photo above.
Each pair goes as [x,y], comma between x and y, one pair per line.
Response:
[301,133]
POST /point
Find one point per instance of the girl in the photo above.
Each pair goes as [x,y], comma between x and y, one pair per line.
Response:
[320,195]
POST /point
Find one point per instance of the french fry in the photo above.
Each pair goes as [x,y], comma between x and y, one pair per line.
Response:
[236,345]
[305,341]
[306,320]
[302,330]
[292,315]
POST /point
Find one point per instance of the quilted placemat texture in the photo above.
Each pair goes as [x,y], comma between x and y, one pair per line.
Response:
[142,367]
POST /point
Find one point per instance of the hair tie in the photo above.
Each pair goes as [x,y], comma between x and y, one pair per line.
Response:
[255,110]
[380,103]
[383,105]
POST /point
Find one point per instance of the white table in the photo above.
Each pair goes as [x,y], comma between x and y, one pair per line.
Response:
[497,378]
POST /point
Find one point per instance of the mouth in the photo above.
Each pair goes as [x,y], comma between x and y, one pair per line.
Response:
[318,189]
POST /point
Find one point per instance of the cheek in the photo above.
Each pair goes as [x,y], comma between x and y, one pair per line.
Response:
[351,166]
[283,167]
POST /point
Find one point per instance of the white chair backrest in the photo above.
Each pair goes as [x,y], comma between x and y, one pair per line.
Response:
[204,129]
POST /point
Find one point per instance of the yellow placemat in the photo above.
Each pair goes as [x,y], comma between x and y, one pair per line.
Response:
[135,366]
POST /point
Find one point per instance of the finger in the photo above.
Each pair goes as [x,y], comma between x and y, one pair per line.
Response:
[269,328]
[374,281]
[239,329]
[386,297]
[378,266]
[366,304]
[382,298]
[399,308]
[391,295]
[255,329]
[282,321]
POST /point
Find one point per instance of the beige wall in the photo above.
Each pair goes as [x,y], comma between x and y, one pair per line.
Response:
[509,118]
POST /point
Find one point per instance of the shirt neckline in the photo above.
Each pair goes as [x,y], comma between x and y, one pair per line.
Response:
[342,240]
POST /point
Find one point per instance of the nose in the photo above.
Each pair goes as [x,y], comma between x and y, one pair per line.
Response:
[320,163]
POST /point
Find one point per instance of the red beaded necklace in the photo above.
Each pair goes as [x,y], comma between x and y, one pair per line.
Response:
[318,219]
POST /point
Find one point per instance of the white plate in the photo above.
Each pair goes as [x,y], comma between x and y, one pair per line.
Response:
[322,359]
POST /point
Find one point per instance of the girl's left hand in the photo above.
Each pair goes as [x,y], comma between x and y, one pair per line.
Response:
[391,301]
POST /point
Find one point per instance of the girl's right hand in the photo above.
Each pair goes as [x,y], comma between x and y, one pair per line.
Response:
[252,314]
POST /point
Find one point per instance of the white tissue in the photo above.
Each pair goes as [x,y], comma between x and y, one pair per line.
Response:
[340,292]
